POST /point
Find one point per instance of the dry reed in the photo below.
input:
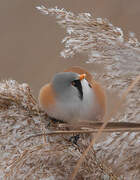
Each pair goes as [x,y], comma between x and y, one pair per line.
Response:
[116,155]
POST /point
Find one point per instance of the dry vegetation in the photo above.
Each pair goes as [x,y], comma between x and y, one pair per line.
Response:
[117,155]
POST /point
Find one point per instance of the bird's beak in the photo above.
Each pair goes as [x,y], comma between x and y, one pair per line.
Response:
[82,76]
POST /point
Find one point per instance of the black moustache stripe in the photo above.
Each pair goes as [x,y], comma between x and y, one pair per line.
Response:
[78,85]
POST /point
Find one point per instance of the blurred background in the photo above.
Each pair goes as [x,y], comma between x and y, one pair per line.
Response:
[30,43]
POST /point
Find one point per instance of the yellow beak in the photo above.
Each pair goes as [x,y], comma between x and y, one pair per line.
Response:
[82,76]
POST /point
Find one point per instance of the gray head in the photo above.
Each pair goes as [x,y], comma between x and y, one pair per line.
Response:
[66,83]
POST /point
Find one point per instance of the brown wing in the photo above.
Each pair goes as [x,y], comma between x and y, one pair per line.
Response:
[100,94]
[99,91]
[46,96]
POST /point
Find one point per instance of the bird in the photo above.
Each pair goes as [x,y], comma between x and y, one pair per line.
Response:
[73,95]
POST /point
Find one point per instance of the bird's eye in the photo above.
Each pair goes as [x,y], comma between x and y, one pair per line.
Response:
[77,84]
[73,83]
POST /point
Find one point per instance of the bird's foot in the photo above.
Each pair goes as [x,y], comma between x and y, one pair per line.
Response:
[74,139]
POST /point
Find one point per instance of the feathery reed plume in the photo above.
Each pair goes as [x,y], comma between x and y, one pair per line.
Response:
[116,155]
[107,44]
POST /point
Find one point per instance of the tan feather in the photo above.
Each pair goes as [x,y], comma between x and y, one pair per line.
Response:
[46,96]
